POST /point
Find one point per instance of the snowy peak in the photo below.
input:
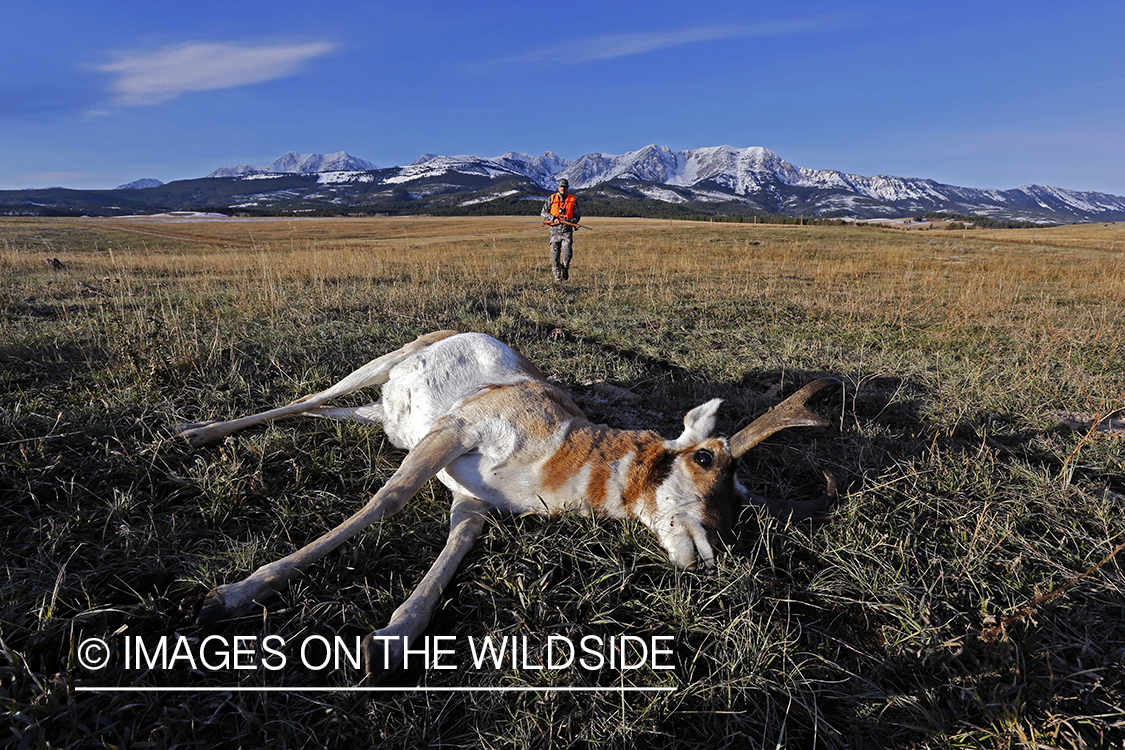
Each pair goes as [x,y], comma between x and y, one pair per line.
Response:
[650,164]
[340,161]
[141,184]
[541,170]
[294,163]
[1048,197]
[738,170]
[429,166]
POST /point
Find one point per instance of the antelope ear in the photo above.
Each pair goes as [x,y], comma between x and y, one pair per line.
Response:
[699,423]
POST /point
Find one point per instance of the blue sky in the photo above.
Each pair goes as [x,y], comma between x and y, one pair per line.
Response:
[978,94]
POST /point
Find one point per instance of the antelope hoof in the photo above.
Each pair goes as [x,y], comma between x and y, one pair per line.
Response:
[382,652]
[214,608]
[194,433]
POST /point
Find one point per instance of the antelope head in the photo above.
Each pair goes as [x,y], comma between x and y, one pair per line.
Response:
[699,494]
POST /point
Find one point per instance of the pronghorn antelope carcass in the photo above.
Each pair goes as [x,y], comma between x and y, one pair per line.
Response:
[485,421]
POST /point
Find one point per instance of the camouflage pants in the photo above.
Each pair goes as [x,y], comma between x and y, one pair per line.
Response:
[562,249]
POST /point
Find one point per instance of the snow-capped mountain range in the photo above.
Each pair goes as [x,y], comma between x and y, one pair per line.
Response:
[294,163]
[759,177]
[653,181]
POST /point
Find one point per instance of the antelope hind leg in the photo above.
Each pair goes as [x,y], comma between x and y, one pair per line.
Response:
[385,648]
[375,372]
[366,414]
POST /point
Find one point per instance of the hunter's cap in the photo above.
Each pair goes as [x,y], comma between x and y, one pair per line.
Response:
[564,182]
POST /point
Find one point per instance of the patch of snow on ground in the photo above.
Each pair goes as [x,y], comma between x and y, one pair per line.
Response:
[712,196]
[329,178]
[668,196]
[487,198]
[178,215]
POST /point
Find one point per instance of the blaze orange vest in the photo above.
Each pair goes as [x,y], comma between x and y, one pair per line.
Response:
[563,207]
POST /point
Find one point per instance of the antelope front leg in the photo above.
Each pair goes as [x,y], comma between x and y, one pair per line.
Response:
[445,442]
[385,648]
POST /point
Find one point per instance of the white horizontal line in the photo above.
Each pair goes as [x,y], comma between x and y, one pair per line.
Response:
[245,689]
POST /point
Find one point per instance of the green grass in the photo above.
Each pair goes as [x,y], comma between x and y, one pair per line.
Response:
[962,499]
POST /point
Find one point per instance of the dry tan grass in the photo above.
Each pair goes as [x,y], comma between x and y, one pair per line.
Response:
[928,262]
[1108,237]
[922,280]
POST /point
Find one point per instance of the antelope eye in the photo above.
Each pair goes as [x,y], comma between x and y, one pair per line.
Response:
[704,458]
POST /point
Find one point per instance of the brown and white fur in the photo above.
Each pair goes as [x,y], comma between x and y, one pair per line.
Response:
[485,421]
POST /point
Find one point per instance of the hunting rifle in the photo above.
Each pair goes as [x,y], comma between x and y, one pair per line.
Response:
[561,220]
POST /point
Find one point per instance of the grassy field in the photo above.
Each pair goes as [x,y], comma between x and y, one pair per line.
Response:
[975,483]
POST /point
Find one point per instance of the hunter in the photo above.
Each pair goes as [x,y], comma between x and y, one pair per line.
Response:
[561,214]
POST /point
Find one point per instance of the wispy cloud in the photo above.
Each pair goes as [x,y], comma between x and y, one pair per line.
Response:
[610,46]
[152,77]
